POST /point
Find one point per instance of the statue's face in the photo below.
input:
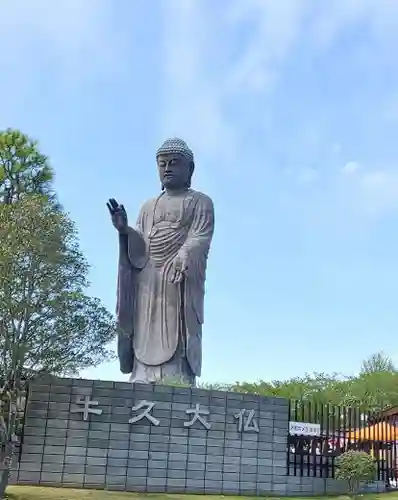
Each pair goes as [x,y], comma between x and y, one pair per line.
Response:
[174,170]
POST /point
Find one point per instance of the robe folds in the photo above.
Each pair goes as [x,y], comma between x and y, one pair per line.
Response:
[154,315]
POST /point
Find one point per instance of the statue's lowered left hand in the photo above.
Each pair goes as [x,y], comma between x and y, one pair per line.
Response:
[178,270]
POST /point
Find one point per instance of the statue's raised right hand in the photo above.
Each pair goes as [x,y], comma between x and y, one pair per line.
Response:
[118,215]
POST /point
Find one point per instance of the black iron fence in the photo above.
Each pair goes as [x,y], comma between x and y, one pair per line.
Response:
[319,433]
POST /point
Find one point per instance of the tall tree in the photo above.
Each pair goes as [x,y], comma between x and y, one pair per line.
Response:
[48,322]
[24,169]
[378,362]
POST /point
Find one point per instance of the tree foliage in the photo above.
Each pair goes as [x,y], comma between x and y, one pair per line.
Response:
[373,389]
[48,322]
[355,467]
[23,169]
[378,362]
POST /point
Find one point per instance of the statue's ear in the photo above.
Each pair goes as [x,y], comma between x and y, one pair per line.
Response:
[191,169]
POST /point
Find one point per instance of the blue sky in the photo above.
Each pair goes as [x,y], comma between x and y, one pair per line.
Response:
[291,108]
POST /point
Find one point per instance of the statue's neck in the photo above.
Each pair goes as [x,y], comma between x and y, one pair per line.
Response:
[176,192]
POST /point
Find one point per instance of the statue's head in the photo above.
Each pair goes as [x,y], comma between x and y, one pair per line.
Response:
[175,163]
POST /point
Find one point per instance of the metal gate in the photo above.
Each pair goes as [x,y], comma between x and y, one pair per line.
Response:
[319,433]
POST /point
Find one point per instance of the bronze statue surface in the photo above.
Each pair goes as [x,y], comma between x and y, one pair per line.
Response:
[161,274]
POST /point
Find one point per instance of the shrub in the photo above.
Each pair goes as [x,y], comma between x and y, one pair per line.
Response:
[355,467]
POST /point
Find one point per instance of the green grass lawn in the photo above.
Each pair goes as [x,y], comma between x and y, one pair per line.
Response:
[45,493]
[40,493]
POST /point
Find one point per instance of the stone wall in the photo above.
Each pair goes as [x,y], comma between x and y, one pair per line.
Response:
[236,444]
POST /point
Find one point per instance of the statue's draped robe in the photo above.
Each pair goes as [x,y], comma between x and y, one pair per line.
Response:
[156,317]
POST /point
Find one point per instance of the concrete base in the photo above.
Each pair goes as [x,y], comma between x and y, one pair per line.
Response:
[172,451]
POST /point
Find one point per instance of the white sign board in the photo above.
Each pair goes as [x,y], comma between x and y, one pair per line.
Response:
[304,429]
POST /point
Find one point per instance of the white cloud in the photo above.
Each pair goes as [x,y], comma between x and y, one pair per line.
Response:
[307,175]
[371,193]
[374,181]
[201,77]
[73,37]
[300,175]
[390,112]
[379,190]
[207,70]
[337,147]
[333,18]
[214,60]
[275,27]
[350,168]
[192,97]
